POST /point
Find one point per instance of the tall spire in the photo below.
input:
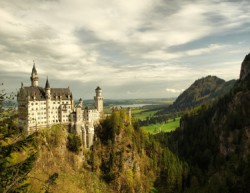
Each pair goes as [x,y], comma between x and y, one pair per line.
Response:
[47,86]
[47,89]
[34,68]
[34,76]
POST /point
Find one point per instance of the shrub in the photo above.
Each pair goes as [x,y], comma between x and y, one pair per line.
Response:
[74,143]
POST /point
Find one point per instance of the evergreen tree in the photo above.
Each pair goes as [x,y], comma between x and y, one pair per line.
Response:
[17,151]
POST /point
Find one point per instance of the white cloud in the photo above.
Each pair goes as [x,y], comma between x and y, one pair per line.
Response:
[131,41]
[174,90]
[210,48]
[161,55]
[165,55]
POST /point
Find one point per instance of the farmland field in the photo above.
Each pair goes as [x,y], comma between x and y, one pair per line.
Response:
[143,113]
[171,125]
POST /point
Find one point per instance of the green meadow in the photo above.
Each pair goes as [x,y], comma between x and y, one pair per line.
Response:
[171,125]
[143,113]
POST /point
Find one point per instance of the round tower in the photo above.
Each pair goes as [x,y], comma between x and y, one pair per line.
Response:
[99,100]
[34,76]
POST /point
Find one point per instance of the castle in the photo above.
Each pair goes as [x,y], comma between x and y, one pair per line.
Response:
[40,107]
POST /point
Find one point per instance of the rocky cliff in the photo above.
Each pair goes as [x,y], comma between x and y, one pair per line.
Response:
[245,67]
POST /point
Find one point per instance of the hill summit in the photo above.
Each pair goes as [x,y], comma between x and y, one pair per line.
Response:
[203,90]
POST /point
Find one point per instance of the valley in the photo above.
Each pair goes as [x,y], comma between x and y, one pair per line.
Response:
[124,96]
[166,146]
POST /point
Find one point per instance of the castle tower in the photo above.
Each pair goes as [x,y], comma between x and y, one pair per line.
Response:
[84,136]
[99,100]
[80,103]
[79,119]
[90,134]
[48,98]
[34,76]
[47,89]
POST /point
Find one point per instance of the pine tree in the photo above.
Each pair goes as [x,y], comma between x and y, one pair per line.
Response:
[17,151]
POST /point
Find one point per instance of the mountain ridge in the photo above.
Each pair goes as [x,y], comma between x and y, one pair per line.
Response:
[201,91]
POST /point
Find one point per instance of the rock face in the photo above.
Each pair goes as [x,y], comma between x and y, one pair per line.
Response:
[245,67]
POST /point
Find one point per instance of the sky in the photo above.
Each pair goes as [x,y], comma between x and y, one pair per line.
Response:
[131,49]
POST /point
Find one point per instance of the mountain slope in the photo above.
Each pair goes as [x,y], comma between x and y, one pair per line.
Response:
[215,139]
[122,159]
[203,90]
[131,160]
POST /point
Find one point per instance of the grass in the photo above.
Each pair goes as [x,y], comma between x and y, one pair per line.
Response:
[149,111]
[168,127]
[142,113]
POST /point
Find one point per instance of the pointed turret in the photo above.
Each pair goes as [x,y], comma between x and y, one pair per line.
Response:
[34,76]
[34,71]
[47,89]
[80,102]
[47,85]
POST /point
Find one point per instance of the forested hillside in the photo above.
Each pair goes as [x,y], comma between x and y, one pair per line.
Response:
[215,139]
[202,90]
[209,152]
[131,160]
[122,159]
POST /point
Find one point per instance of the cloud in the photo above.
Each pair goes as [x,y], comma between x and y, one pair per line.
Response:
[174,90]
[166,55]
[122,43]
[210,48]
